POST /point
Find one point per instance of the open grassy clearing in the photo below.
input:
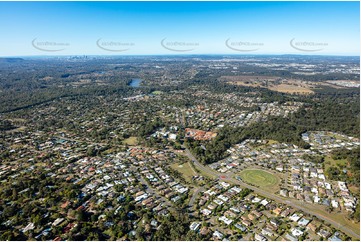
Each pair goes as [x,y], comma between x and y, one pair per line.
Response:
[20,120]
[271,142]
[131,141]
[286,88]
[19,129]
[157,92]
[260,178]
[272,83]
[185,169]
[331,162]
[263,146]
[340,218]
[354,189]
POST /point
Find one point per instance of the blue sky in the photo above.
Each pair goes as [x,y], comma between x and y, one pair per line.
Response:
[73,28]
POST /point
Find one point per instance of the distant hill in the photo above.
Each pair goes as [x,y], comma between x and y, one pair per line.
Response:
[11,60]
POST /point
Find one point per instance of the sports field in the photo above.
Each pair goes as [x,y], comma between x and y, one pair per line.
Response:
[260,178]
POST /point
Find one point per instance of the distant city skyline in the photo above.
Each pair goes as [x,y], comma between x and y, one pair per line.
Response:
[171,28]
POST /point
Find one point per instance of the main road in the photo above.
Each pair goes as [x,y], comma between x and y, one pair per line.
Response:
[301,205]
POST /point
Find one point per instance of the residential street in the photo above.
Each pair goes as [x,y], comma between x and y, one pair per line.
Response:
[293,203]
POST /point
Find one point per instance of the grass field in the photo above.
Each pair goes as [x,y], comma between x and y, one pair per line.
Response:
[354,189]
[286,88]
[262,146]
[185,169]
[157,92]
[260,178]
[131,141]
[277,84]
[340,218]
[271,142]
[331,162]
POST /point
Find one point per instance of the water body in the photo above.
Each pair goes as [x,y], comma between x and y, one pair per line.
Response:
[135,82]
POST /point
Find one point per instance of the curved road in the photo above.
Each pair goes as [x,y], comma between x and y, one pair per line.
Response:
[194,196]
[293,203]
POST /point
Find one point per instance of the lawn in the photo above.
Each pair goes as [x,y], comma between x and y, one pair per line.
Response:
[185,169]
[260,178]
[131,141]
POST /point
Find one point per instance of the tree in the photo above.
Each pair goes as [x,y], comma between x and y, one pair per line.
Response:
[93,236]
[7,235]
[80,215]
[14,194]
[91,151]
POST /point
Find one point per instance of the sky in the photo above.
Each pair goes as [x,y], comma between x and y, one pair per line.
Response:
[157,28]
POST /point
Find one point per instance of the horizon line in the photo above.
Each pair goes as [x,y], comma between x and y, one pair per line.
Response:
[179,54]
